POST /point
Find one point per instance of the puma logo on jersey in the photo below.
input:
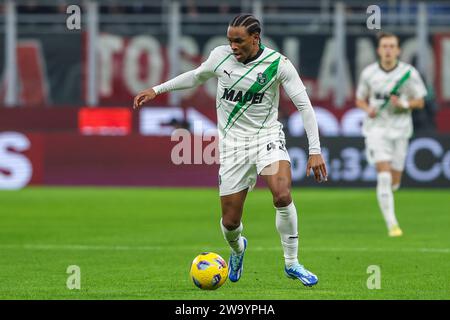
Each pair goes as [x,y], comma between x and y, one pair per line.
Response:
[228,74]
[239,96]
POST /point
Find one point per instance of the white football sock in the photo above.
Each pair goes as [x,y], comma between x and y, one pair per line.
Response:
[286,222]
[233,237]
[395,187]
[386,198]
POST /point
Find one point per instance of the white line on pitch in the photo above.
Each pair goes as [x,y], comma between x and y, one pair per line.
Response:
[210,248]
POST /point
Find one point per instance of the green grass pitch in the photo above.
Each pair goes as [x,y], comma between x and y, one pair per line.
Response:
[138,243]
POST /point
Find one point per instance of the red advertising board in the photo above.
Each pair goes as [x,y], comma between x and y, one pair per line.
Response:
[104,121]
[71,159]
[132,160]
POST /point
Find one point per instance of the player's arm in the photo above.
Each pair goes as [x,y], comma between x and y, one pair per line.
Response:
[362,93]
[296,91]
[364,105]
[185,80]
[415,91]
[406,104]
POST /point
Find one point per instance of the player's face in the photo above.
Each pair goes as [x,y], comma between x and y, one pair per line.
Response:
[388,49]
[244,45]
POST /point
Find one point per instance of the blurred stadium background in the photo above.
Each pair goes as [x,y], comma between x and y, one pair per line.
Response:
[68,110]
[66,120]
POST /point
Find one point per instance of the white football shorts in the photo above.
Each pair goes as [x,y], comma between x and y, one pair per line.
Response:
[380,149]
[240,167]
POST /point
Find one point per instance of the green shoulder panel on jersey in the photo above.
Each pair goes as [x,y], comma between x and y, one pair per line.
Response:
[224,59]
[269,74]
[257,64]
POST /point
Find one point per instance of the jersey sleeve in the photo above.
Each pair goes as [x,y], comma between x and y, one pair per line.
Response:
[362,91]
[296,91]
[415,87]
[191,78]
[290,80]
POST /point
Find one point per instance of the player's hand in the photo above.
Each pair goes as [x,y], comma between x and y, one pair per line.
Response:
[372,112]
[398,102]
[316,163]
[143,97]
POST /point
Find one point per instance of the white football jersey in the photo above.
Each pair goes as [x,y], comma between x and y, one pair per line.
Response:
[248,94]
[376,85]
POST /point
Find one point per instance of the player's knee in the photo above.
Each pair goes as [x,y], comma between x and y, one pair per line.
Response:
[384,179]
[282,198]
[231,218]
[231,223]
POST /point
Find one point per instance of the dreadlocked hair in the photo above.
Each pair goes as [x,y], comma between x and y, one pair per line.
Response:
[248,21]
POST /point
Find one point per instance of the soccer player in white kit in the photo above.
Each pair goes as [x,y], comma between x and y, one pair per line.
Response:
[251,139]
[388,90]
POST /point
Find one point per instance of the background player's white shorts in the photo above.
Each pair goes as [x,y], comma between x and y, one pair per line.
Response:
[379,148]
[240,170]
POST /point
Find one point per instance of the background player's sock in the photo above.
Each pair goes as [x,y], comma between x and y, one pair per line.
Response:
[386,198]
[233,237]
[286,222]
[395,187]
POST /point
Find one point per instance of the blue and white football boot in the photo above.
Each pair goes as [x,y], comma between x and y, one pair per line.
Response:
[236,264]
[298,271]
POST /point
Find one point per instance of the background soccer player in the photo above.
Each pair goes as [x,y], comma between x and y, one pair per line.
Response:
[251,138]
[388,90]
